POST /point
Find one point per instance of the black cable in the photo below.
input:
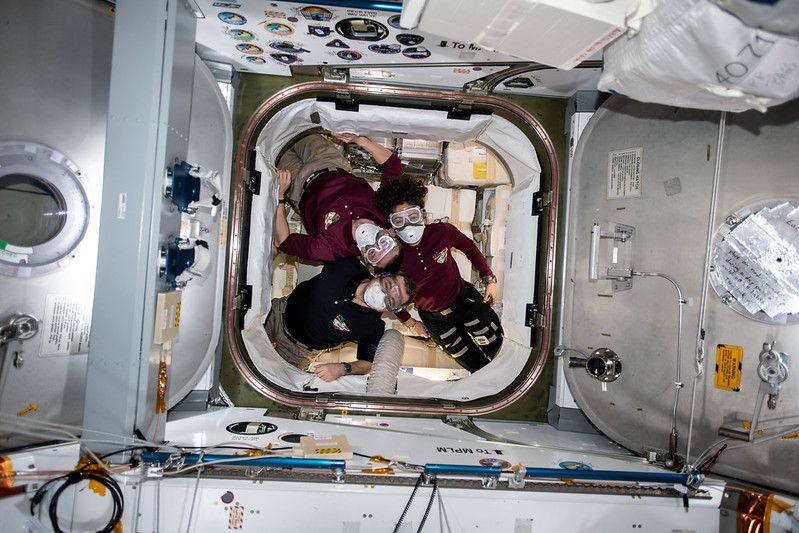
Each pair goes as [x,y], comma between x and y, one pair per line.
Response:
[429,505]
[39,495]
[89,475]
[408,505]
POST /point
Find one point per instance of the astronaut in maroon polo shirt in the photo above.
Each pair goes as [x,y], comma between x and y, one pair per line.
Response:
[456,316]
[336,207]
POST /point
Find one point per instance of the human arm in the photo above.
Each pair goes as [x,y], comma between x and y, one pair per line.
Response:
[416,327]
[379,153]
[281,222]
[467,246]
[367,345]
[332,371]
[312,247]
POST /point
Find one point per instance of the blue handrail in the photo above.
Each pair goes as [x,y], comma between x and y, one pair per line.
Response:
[559,473]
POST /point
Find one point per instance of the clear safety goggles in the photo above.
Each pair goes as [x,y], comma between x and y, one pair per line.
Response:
[411,215]
[380,249]
[392,291]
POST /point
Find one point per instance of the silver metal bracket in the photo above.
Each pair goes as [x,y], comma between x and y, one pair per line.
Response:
[773,371]
[457,421]
[335,74]
[311,413]
[517,481]
[489,482]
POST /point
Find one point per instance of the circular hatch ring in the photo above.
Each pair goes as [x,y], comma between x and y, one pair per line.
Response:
[44,209]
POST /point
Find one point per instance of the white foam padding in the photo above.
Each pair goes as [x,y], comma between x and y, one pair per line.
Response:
[692,53]
[492,378]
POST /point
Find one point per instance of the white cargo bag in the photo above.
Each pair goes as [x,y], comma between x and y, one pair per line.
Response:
[691,53]
[471,164]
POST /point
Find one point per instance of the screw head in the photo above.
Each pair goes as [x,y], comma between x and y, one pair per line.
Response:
[731,220]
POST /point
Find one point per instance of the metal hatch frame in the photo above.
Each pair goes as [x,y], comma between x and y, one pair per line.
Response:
[238,249]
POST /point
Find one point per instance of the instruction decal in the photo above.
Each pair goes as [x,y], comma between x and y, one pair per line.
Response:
[480,451]
[728,367]
[67,321]
[624,173]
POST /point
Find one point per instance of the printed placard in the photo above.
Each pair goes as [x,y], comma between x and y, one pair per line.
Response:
[728,367]
[67,320]
[624,173]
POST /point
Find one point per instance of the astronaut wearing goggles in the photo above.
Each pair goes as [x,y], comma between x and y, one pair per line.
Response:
[336,207]
[453,312]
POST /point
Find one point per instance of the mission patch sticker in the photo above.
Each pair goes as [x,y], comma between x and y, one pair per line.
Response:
[728,367]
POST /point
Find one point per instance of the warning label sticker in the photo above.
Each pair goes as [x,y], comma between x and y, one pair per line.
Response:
[624,173]
[67,320]
[728,367]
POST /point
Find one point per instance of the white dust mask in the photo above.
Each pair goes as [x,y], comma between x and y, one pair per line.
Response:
[366,235]
[375,297]
[411,234]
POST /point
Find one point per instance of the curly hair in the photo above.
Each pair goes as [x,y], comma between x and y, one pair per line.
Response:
[400,190]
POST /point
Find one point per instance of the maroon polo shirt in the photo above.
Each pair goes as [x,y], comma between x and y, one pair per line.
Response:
[431,265]
[328,206]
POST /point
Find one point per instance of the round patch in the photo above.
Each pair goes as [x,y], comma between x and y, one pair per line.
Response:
[240,35]
[493,461]
[232,18]
[361,29]
[227,497]
[417,52]
[286,59]
[349,55]
[251,428]
[574,465]
[316,13]
[319,31]
[292,438]
[385,48]
[287,47]
[408,39]
[255,60]
[249,48]
[278,28]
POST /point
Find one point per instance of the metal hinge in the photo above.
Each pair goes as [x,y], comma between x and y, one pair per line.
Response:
[254,182]
[254,177]
[476,87]
[311,413]
[345,101]
[243,299]
[541,199]
[533,317]
[462,111]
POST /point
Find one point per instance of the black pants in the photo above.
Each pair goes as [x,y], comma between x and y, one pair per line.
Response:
[468,330]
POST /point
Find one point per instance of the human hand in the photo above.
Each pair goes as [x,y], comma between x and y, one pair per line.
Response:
[418,329]
[329,371]
[283,183]
[490,296]
[345,137]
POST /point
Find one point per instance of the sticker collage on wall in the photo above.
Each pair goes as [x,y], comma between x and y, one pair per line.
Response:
[269,37]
